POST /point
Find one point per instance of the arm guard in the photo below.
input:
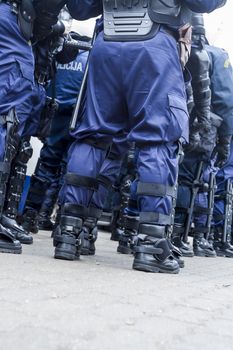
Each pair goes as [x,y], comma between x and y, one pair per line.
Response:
[198,65]
[204,5]
[46,16]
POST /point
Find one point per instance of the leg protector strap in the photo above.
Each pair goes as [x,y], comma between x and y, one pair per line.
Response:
[81,181]
[155,189]
[152,230]
[157,218]
[75,210]
[161,249]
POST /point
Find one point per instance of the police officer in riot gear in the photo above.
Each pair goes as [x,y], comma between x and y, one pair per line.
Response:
[135,83]
[17,84]
[197,173]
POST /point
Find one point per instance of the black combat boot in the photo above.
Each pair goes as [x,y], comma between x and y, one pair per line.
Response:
[30,220]
[89,236]
[44,221]
[90,231]
[17,230]
[222,245]
[115,228]
[154,252]
[176,239]
[201,246]
[127,239]
[67,236]
[8,243]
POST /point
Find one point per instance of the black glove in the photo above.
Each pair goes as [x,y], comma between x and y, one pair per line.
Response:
[222,149]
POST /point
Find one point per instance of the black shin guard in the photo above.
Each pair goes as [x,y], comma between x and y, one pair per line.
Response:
[14,192]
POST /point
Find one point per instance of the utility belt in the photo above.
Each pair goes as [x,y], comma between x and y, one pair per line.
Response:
[26,15]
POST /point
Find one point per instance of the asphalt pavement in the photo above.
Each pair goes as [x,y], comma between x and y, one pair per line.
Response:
[100,303]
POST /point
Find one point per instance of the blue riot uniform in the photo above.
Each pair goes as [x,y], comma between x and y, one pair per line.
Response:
[222,104]
[17,83]
[134,84]
[53,155]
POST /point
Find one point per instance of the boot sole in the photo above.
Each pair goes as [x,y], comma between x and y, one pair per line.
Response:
[124,250]
[224,255]
[10,250]
[149,268]
[62,255]
[187,255]
[87,252]
[203,255]
[25,242]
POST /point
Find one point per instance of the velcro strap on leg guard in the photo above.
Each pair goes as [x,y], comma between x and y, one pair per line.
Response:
[104,181]
[95,212]
[152,230]
[75,210]
[65,239]
[71,222]
[155,189]
[202,211]
[200,229]
[160,249]
[156,218]
[147,249]
[81,181]
[103,145]
[131,222]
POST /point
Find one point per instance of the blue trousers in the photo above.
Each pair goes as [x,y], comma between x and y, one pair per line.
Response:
[16,68]
[136,87]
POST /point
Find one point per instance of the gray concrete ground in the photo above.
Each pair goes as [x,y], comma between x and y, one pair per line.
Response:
[99,303]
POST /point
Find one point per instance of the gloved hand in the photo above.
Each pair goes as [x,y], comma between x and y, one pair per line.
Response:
[222,149]
[201,139]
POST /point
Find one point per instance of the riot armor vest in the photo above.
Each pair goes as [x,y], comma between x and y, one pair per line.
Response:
[132,20]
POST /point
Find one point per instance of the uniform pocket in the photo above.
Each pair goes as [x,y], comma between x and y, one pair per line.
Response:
[179,119]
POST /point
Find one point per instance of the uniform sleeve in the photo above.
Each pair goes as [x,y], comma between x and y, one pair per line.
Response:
[84,9]
[204,5]
[222,89]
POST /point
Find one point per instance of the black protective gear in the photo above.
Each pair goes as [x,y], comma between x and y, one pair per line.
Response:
[30,220]
[19,233]
[127,239]
[38,188]
[12,142]
[67,236]
[90,231]
[46,16]
[46,118]
[89,236]
[153,252]
[17,178]
[222,245]
[14,192]
[44,221]
[222,150]
[8,243]
[45,52]
[177,240]
[70,51]
[201,246]
[147,16]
